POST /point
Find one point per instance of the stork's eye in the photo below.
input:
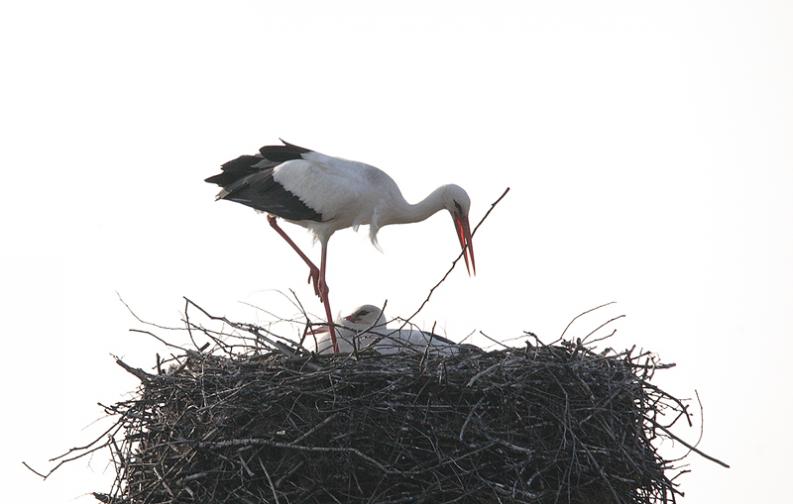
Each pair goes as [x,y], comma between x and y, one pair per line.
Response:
[459,208]
[362,313]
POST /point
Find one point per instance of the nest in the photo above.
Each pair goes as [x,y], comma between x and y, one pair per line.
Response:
[255,418]
[538,424]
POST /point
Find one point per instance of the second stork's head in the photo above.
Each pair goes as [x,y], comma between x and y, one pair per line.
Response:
[364,317]
[458,203]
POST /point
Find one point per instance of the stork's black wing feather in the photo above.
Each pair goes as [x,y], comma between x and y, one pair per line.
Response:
[238,169]
[435,337]
[283,153]
[262,192]
[249,180]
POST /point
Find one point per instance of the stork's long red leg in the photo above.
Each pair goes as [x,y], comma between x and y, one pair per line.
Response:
[314,271]
[316,274]
[323,293]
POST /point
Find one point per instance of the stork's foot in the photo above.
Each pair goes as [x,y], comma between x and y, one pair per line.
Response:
[320,287]
[322,291]
[313,276]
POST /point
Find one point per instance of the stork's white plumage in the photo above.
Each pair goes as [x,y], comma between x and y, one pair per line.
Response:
[325,194]
[354,331]
[366,328]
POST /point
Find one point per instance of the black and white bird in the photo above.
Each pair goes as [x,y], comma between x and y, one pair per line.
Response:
[325,194]
[366,329]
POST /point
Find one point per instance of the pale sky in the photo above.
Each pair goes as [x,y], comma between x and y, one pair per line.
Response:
[647,145]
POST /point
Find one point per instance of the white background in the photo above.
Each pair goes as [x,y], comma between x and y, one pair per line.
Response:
[647,145]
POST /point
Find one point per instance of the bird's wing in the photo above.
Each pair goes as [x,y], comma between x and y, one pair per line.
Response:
[300,184]
[237,169]
[436,339]
[249,180]
[261,191]
[417,337]
[411,340]
[336,188]
[268,157]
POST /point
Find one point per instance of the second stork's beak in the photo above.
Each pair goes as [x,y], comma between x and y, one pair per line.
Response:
[463,229]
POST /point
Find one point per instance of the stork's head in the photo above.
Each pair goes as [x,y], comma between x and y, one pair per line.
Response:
[364,317]
[458,203]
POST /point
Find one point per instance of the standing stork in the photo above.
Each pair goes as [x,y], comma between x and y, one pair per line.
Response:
[325,193]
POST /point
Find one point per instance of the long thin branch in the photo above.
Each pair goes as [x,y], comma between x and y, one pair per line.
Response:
[581,315]
[454,263]
[688,445]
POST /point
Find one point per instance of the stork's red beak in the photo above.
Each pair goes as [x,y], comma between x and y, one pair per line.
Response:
[463,229]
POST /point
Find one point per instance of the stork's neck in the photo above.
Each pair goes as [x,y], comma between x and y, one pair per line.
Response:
[406,213]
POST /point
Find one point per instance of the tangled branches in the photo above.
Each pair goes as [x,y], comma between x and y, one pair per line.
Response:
[541,423]
[250,416]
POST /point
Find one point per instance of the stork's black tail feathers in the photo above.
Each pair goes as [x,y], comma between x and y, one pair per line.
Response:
[237,169]
[249,180]
[283,152]
[269,157]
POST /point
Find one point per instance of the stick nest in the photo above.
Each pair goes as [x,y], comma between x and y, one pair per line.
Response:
[541,424]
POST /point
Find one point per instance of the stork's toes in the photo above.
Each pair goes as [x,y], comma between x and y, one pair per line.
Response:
[313,275]
[322,291]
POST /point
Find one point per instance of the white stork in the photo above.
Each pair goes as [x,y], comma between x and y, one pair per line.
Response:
[325,194]
[356,330]
[366,328]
